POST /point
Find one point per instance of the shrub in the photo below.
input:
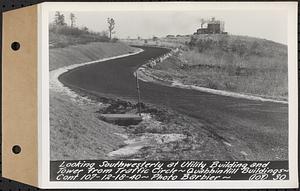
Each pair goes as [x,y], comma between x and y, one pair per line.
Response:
[234,63]
[63,35]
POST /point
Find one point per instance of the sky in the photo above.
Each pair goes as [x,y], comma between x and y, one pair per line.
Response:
[266,24]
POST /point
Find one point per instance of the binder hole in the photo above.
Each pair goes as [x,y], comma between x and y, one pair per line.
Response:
[15,46]
[16,149]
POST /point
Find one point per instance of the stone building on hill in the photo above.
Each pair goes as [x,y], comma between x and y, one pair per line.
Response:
[211,26]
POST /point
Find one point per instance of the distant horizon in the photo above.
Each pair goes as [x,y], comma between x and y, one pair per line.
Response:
[270,25]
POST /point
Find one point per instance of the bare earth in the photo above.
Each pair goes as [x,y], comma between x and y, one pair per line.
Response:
[75,130]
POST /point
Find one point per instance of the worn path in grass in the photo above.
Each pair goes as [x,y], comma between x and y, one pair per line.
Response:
[258,130]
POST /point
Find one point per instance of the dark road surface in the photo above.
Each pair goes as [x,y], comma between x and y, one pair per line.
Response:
[258,130]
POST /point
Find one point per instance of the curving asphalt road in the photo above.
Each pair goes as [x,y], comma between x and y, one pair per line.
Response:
[258,130]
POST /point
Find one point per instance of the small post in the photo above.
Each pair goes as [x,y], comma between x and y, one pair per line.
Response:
[138,91]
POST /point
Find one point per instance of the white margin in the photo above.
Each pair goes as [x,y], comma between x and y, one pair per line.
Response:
[44,139]
[39,96]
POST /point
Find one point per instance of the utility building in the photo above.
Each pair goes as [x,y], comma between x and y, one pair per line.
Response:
[211,26]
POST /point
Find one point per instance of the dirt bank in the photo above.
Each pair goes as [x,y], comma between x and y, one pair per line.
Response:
[60,57]
[229,63]
[75,130]
[162,135]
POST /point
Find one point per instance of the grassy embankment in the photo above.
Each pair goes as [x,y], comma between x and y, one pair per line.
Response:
[174,42]
[232,63]
[75,130]
[63,36]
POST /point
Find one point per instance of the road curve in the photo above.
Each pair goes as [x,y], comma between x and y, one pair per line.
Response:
[259,130]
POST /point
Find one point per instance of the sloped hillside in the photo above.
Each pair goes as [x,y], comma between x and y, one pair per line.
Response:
[233,63]
[63,35]
[75,117]
[80,53]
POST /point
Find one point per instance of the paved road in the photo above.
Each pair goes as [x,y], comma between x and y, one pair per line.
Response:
[258,130]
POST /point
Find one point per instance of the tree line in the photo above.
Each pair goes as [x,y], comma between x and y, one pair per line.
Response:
[60,20]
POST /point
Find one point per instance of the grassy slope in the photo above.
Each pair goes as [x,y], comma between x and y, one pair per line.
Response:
[61,36]
[75,130]
[233,63]
[77,133]
[165,42]
[76,54]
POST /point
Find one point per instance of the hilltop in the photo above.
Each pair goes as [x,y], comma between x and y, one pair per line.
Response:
[63,36]
[227,62]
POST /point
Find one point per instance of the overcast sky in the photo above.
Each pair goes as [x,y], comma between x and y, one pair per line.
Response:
[267,24]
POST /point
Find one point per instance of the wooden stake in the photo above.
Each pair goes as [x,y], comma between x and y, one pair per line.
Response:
[138,91]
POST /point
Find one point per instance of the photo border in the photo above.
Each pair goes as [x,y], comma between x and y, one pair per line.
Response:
[43,91]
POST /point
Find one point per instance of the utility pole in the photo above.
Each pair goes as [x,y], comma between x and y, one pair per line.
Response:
[138,91]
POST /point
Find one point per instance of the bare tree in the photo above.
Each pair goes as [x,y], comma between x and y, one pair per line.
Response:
[59,18]
[111,27]
[73,19]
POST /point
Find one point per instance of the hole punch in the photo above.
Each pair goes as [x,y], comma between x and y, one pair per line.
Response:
[15,46]
[16,149]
